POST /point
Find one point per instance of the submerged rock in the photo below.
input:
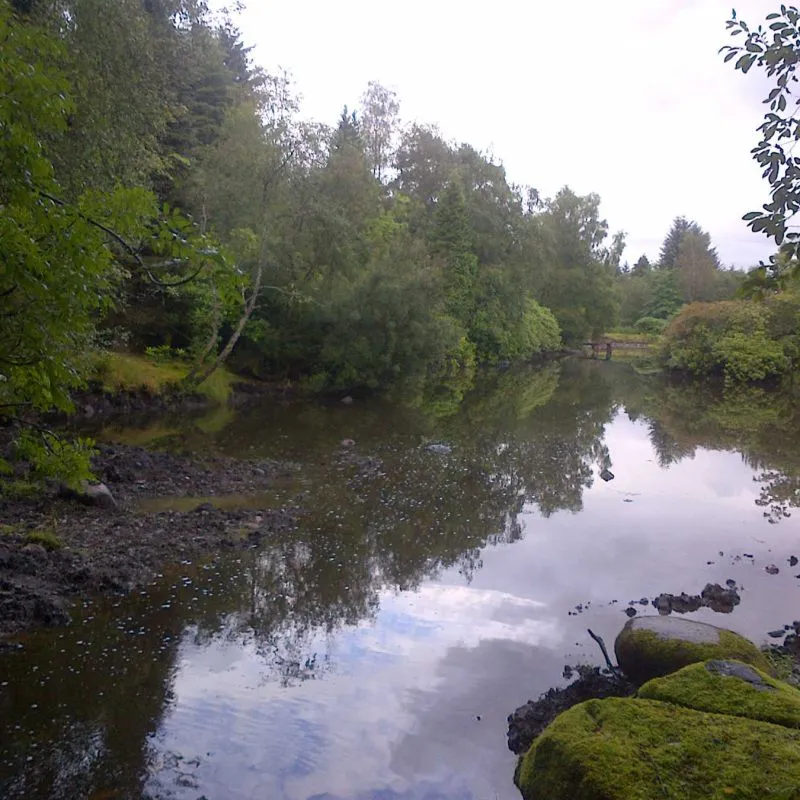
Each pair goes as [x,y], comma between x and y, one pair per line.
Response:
[717,598]
[607,475]
[439,448]
[720,599]
[640,749]
[649,647]
[679,603]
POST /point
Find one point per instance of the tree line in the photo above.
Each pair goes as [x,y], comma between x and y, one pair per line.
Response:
[688,270]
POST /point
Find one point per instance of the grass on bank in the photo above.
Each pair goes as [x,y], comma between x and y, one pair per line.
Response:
[125,372]
[624,337]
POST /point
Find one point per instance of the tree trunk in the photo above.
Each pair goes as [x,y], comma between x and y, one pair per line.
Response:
[205,373]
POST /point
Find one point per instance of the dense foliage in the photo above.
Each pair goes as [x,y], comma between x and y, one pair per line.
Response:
[742,340]
[688,271]
[773,48]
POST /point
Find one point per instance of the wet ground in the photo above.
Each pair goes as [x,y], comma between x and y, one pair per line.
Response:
[375,649]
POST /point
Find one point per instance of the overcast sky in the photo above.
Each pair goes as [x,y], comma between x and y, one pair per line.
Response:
[627,98]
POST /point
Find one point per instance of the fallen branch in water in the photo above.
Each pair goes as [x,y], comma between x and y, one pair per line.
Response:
[602,644]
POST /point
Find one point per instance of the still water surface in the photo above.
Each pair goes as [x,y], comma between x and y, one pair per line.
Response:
[375,653]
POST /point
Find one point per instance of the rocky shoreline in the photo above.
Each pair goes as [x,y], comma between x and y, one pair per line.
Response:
[54,552]
[95,401]
[692,709]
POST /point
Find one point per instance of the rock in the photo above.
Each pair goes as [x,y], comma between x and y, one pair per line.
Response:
[348,401]
[720,599]
[663,603]
[439,449]
[679,603]
[630,611]
[91,494]
[607,475]
[99,495]
[792,561]
[528,721]
[713,596]
[649,647]
[728,687]
[637,749]
[35,551]
[772,569]
[347,443]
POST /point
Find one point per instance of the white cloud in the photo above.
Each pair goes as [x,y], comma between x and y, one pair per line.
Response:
[628,99]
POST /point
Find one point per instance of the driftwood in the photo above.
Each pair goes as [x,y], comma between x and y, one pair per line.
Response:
[602,644]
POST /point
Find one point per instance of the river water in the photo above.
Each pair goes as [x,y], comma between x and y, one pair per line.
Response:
[374,653]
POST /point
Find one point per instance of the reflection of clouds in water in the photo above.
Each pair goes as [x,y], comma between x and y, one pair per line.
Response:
[395,718]
[713,473]
[501,676]
[337,734]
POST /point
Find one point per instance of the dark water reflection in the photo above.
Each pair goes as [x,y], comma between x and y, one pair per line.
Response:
[375,652]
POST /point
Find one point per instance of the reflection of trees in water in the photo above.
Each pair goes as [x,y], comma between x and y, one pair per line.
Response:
[779,493]
[763,425]
[86,702]
[522,441]
[667,449]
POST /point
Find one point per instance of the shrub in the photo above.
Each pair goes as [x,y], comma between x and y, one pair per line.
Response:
[650,325]
[731,338]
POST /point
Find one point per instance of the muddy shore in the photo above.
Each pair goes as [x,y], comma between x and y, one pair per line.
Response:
[55,552]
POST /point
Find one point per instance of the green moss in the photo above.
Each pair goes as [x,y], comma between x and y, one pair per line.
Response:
[46,539]
[631,749]
[644,654]
[699,688]
[783,666]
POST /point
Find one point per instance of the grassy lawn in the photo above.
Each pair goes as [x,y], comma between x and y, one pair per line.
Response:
[124,372]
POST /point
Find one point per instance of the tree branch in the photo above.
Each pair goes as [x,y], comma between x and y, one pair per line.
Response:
[123,243]
[602,644]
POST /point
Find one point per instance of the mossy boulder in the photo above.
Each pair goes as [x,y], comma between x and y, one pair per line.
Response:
[650,647]
[636,749]
[728,687]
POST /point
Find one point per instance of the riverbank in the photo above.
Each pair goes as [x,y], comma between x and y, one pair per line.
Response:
[55,552]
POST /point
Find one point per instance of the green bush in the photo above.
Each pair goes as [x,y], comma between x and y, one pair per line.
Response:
[740,340]
[649,325]
[500,336]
